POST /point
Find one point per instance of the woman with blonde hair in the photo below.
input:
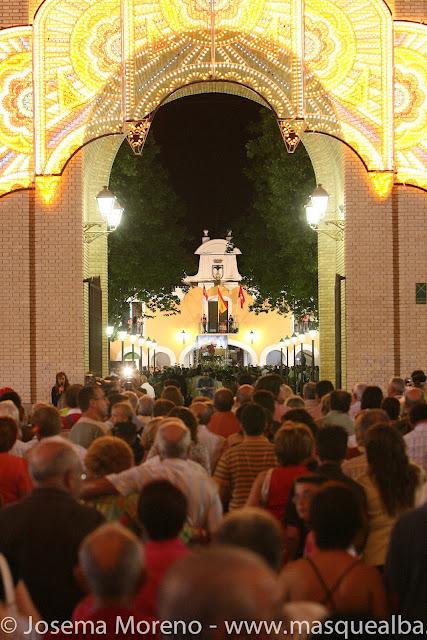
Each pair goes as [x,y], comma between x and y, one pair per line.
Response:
[294,444]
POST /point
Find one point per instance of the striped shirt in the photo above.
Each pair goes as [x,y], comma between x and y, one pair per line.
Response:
[204,505]
[239,466]
[416,445]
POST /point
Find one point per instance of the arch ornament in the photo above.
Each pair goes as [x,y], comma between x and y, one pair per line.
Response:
[88,68]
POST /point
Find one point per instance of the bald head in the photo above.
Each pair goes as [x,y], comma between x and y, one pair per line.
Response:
[413,397]
[55,464]
[112,562]
[244,393]
[194,589]
[173,439]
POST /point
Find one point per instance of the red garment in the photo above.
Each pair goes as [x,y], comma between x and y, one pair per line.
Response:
[15,482]
[159,557]
[224,423]
[281,481]
[70,420]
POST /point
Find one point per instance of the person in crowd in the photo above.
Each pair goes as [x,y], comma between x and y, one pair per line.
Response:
[126,431]
[392,407]
[371,398]
[333,576]
[323,387]
[147,387]
[203,411]
[340,402]
[256,530]
[40,535]
[244,394]
[162,511]
[419,379]
[274,383]
[59,388]
[162,407]
[11,394]
[244,589]
[71,407]
[8,409]
[356,398]
[197,451]
[224,422]
[294,448]
[266,400]
[239,465]
[358,465]
[94,407]
[15,482]
[133,399]
[413,397]
[416,440]
[301,415]
[392,486]
[173,441]
[311,402]
[46,423]
[297,512]
[145,411]
[396,389]
[173,394]
[406,567]
[111,564]
[293,402]
[121,412]
[149,434]
[106,455]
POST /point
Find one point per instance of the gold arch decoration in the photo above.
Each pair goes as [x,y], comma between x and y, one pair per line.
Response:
[88,68]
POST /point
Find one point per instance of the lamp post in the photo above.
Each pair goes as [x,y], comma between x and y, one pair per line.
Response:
[148,343]
[313,335]
[281,341]
[251,335]
[122,337]
[184,336]
[141,342]
[302,362]
[287,342]
[109,332]
[132,341]
[294,340]
[154,345]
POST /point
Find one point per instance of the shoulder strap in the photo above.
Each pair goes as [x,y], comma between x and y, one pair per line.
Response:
[344,575]
[328,599]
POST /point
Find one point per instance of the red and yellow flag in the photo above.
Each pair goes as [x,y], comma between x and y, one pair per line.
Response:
[205,293]
[222,304]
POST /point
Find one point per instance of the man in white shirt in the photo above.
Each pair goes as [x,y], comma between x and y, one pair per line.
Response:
[416,440]
[94,407]
[148,387]
[173,441]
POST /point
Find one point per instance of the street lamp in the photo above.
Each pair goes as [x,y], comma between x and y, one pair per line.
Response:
[141,342]
[132,341]
[281,341]
[109,332]
[114,216]
[319,200]
[313,335]
[122,337]
[154,345]
[148,343]
[294,340]
[184,336]
[251,335]
[106,200]
[287,342]
[302,361]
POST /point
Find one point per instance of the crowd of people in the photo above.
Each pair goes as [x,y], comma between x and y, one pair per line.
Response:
[156,501]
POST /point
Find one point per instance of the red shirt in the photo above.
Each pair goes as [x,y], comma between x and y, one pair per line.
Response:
[159,557]
[15,482]
[281,482]
[224,423]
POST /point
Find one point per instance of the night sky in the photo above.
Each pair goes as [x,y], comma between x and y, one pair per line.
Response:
[202,140]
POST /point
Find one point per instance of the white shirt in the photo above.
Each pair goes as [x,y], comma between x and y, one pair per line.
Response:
[356,467]
[416,445]
[204,505]
[213,443]
[149,389]
[24,447]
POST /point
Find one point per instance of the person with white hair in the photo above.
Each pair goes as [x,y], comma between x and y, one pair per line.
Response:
[41,534]
[172,443]
[8,409]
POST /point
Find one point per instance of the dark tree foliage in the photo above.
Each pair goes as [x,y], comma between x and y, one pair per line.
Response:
[145,254]
[279,260]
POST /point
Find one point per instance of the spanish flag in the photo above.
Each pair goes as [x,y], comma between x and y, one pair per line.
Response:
[222,305]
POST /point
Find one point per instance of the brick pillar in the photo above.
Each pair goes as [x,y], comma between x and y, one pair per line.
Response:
[370,297]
